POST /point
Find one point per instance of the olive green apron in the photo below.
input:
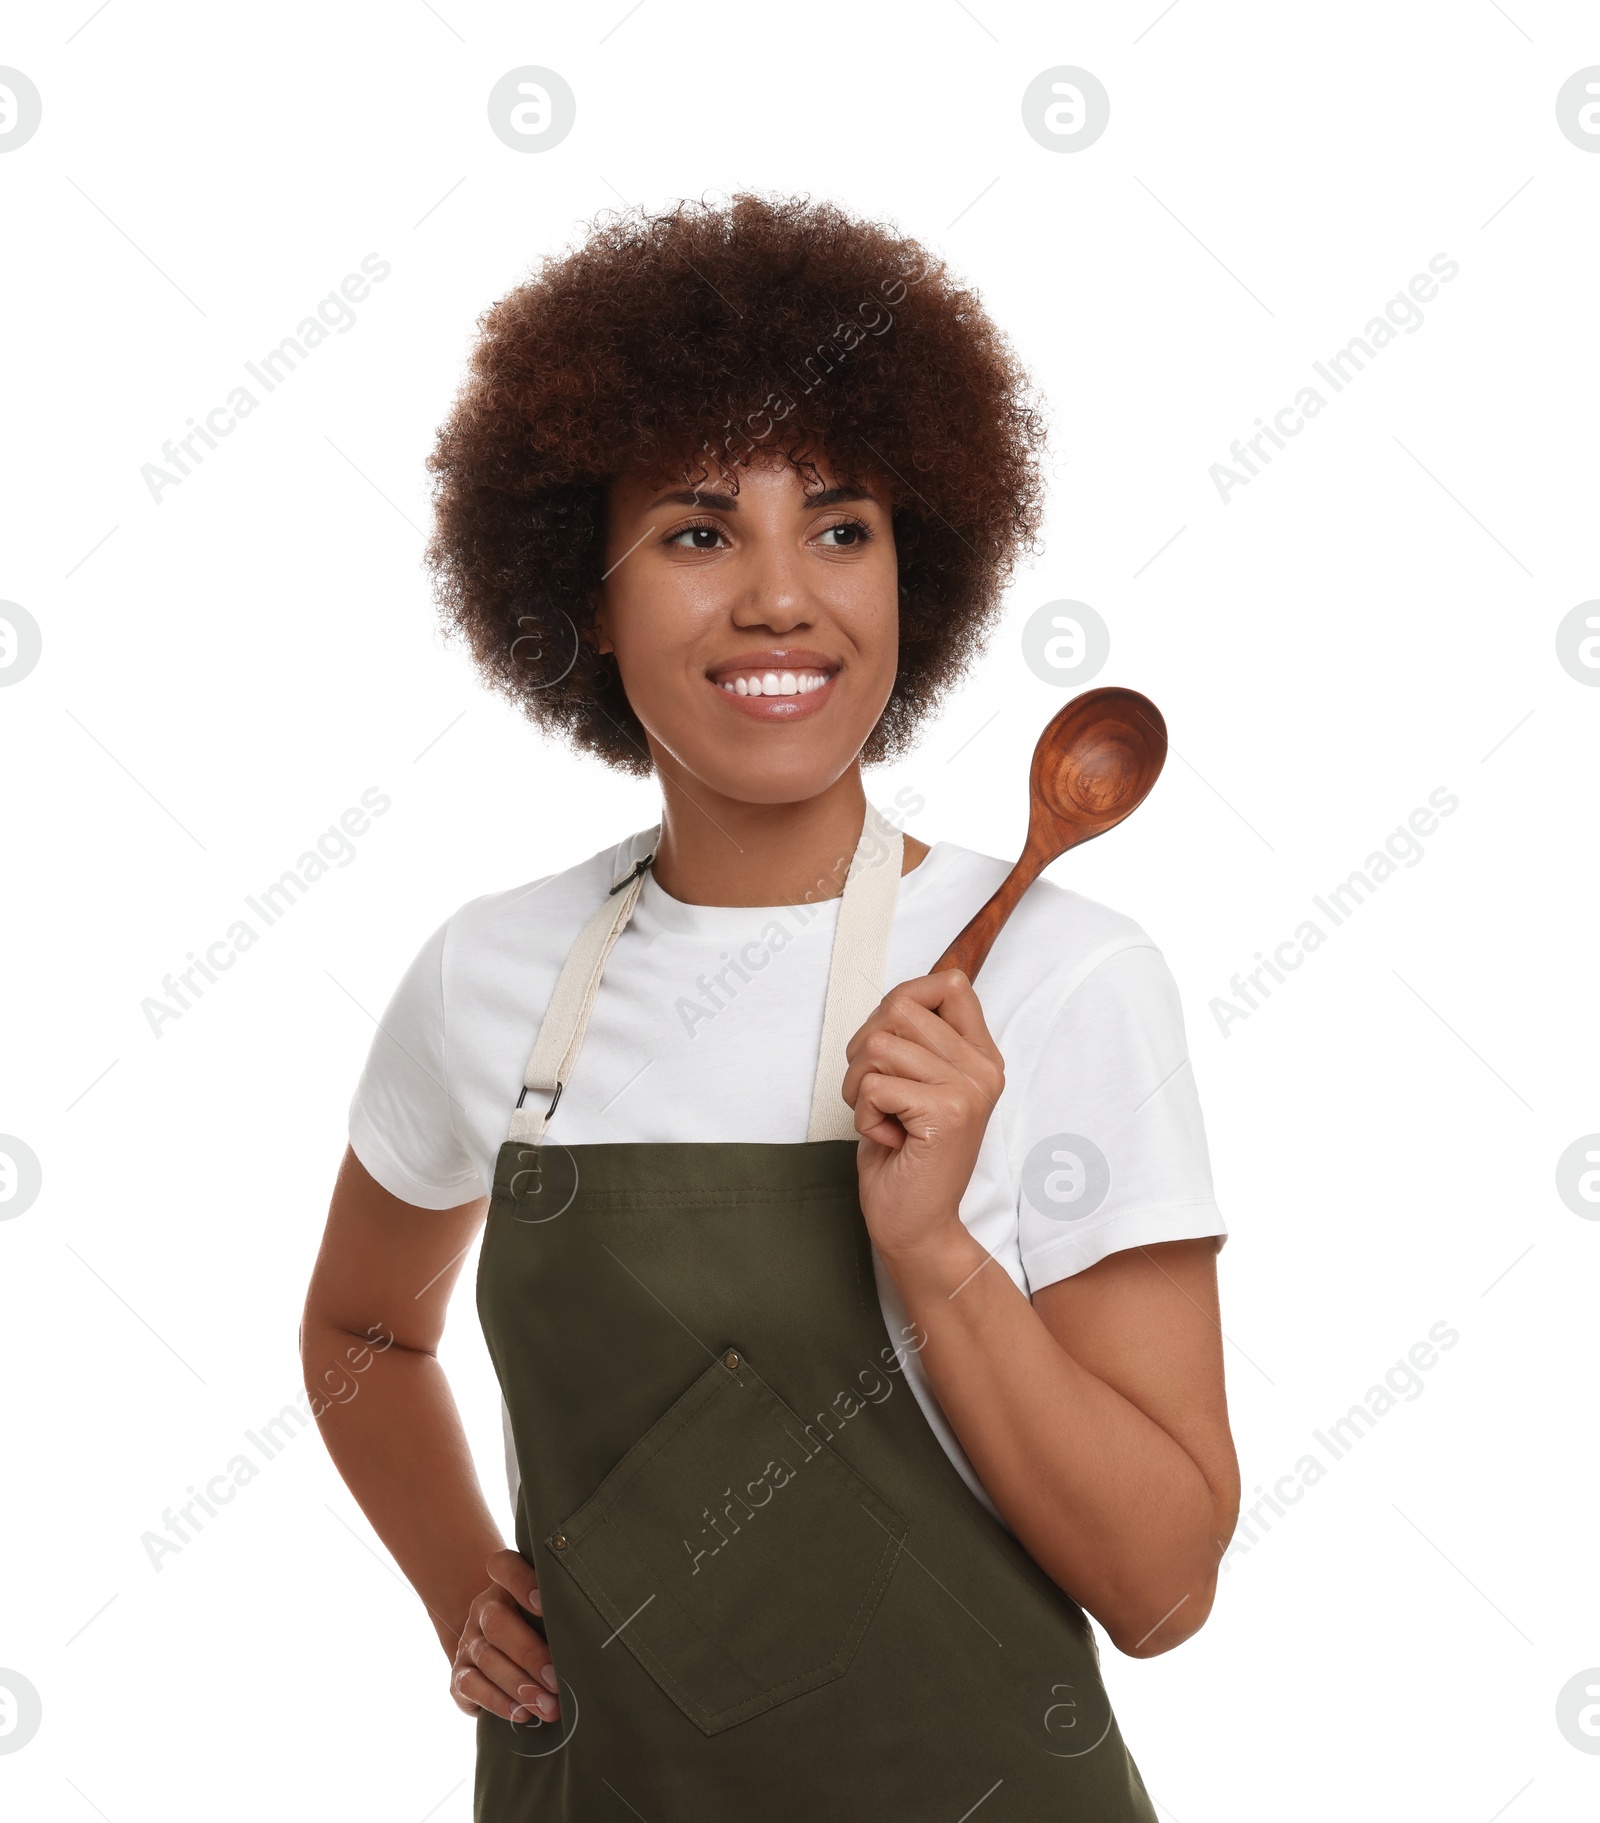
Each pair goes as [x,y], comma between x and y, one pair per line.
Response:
[768,1593]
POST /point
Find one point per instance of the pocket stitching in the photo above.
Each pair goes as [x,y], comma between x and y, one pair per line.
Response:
[766,1695]
[576,1531]
[844,1477]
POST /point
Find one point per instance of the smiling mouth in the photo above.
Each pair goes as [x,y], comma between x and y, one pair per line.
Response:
[777,685]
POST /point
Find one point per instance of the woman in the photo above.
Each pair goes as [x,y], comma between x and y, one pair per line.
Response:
[852,1344]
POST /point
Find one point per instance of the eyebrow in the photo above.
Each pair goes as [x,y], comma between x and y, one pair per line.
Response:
[728,503]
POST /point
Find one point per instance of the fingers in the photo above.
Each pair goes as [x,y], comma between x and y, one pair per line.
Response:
[505,1629]
[941,1010]
[474,1691]
[526,1696]
[952,996]
[920,1110]
[905,1037]
[514,1573]
[503,1664]
[890,1054]
[872,1122]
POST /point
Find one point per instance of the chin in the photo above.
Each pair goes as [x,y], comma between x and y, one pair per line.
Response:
[771,779]
[747,787]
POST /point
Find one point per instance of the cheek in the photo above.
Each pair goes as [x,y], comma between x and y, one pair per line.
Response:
[871,610]
[656,622]
[651,614]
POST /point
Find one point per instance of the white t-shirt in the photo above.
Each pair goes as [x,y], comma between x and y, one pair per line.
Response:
[707,1027]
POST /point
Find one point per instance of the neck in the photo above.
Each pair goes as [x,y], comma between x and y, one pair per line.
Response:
[717,850]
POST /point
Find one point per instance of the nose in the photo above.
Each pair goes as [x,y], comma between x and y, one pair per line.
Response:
[773,591]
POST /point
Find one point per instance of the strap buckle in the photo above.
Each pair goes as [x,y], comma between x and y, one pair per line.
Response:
[553,1100]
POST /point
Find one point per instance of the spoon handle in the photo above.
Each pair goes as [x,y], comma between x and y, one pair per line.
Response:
[970,949]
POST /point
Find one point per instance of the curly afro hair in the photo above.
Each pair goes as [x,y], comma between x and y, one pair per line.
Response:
[687,342]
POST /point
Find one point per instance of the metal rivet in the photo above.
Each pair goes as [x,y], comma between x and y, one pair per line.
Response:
[731,1358]
[559,1542]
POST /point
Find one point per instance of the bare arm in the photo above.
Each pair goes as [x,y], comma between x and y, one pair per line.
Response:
[386,1270]
[1094,1415]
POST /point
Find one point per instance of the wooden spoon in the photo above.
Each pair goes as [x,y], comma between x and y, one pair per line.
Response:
[1093,766]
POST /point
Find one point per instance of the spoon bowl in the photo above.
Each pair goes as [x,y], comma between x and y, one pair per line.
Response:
[1093,766]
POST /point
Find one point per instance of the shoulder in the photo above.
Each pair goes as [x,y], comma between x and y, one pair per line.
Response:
[538,920]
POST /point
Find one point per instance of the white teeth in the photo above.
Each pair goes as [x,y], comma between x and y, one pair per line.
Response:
[776,683]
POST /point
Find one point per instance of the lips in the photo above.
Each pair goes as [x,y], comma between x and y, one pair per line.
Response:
[779,684]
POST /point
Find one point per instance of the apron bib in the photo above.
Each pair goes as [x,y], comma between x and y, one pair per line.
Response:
[767,1591]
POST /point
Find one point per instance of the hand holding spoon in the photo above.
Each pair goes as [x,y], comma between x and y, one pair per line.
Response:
[1094,765]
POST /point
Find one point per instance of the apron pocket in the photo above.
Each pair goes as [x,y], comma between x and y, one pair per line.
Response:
[739,1558]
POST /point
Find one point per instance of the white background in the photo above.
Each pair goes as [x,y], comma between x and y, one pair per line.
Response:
[1371,618]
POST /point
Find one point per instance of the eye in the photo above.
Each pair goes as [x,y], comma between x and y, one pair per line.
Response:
[847,535]
[703,535]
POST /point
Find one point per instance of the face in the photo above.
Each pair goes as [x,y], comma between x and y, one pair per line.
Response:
[757,633]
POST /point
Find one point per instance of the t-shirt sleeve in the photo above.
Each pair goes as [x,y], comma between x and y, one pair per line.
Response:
[402,1116]
[1107,1141]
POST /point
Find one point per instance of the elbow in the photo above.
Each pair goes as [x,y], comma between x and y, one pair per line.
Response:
[1143,1630]
[1184,1582]
[1158,1590]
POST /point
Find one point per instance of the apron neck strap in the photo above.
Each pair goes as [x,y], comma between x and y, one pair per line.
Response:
[855,983]
[855,969]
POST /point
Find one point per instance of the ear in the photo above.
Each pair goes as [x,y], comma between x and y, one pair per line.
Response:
[594,634]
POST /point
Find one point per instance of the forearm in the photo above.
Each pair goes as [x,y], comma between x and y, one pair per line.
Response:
[1115,1511]
[398,1443]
